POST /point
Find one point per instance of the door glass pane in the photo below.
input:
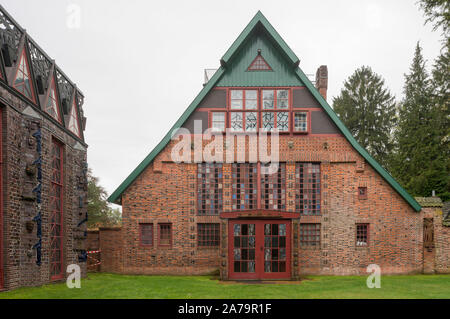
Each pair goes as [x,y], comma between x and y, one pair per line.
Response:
[274,248]
[244,248]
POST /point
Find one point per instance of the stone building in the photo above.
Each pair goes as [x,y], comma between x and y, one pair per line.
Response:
[328,208]
[43,185]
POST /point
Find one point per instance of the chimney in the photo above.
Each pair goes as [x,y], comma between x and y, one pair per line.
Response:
[322,80]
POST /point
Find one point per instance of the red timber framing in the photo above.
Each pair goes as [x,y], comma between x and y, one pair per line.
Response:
[57,212]
[259,249]
[1,201]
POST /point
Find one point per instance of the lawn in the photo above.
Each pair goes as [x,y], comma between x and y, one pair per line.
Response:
[110,286]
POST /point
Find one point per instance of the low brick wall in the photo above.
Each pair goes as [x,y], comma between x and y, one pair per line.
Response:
[111,246]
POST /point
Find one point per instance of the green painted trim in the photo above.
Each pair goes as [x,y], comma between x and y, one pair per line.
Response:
[411,201]
[259,18]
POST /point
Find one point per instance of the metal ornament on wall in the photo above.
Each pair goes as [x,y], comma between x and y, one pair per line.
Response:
[10,35]
[38,190]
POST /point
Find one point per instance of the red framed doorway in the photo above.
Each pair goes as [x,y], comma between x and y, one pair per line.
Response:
[259,249]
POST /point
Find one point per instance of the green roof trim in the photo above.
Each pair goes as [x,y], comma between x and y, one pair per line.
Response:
[260,20]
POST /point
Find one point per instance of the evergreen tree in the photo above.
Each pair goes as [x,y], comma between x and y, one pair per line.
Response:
[367,108]
[420,164]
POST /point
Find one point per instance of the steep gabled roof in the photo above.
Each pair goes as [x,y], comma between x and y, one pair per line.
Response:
[260,21]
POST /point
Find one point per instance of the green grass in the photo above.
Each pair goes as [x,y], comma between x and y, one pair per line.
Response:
[111,286]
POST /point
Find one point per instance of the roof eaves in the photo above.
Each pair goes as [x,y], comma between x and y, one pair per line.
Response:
[402,192]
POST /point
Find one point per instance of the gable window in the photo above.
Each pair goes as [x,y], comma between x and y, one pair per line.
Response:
[244,186]
[73,120]
[165,235]
[275,115]
[244,118]
[273,188]
[22,81]
[146,234]
[52,103]
[362,235]
[208,235]
[310,235]
[301,122]
[209,185]
[307,188]
[218,121]
[259,64]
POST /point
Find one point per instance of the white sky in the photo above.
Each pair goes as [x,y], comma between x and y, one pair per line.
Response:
[140,63]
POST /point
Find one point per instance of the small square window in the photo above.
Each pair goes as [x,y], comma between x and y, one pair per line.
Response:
[146,234]
[165,235]
[362,192]
[301,122]
[218,121]
[208,235]
[362,235]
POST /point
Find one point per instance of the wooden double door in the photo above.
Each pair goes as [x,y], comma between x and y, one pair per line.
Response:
[259,249]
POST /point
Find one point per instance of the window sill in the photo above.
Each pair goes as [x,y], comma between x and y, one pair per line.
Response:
[206,248]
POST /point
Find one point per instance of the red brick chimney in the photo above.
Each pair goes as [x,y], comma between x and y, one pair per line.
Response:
[322,80]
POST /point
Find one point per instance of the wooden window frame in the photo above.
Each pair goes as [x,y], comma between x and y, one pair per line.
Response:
[243,110]
[276,110]
[141,228]
[201,191]
[282,187]
[245,181]
[211,121]
[308,189]
[365,232]
[160,233]
[308,240]
[308,122]
[206,235]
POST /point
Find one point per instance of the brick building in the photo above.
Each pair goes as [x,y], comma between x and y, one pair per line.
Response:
[328,208]
[43,189]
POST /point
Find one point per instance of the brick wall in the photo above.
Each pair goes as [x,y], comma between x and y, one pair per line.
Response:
[111,246]
[19,204]
[166,192]
[437,260]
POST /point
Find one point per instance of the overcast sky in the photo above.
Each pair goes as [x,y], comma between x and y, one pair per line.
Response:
[140,63]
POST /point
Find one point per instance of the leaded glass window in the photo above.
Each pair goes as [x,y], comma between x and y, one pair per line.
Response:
[210,188]
[307,188]
[283,121]
[236,121]
[301,121]
[251,121]
[244,195]
[273,188]
[268,121]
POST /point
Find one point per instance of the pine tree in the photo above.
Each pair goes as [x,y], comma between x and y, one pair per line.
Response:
[420,164]
[367,108]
